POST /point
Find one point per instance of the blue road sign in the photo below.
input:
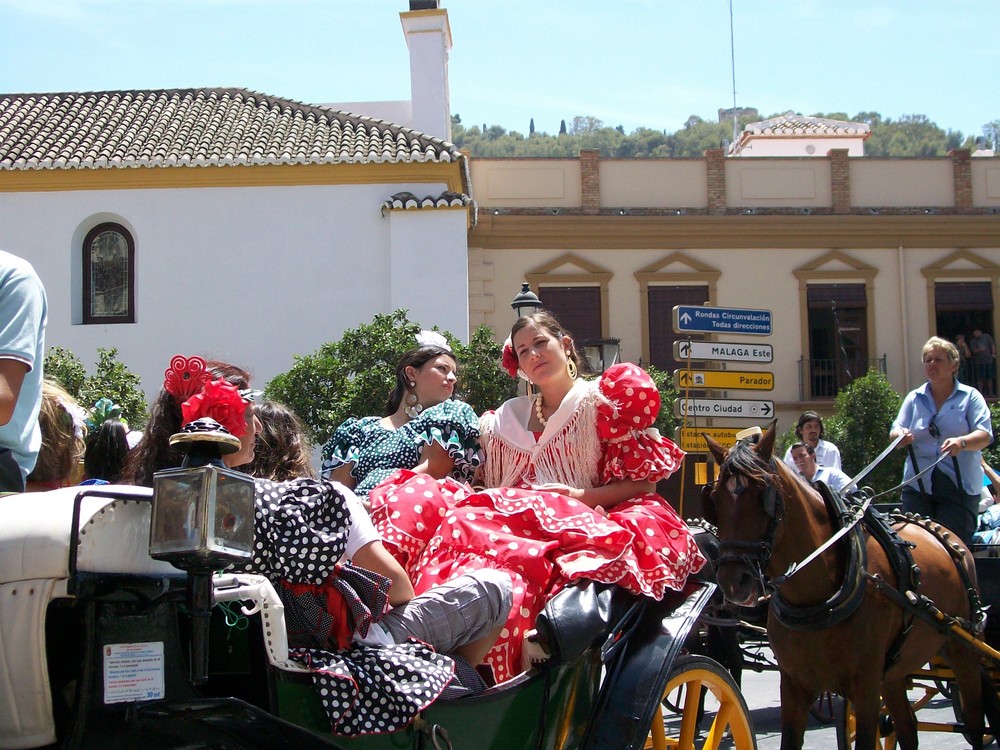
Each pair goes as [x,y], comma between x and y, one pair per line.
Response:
[702,319]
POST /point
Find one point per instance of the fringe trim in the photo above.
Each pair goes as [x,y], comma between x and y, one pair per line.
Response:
[572,456]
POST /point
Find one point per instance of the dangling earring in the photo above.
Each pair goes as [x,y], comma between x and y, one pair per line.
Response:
[571,369]
[413,406]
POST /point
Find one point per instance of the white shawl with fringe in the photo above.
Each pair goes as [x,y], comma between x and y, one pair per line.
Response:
[567,452]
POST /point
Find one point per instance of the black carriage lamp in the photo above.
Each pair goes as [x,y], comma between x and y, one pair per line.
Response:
[526,302]
[202,521]
[601,353]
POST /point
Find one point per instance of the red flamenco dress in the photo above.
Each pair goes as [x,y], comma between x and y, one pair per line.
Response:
[600,434]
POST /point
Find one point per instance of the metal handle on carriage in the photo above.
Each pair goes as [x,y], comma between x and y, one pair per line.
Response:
[858,512]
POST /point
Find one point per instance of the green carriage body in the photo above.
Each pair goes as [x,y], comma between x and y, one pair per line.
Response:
[97,589]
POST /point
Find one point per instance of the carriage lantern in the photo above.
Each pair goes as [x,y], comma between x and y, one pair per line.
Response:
[202,521]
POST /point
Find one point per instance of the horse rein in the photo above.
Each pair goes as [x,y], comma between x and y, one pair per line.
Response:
[858,511]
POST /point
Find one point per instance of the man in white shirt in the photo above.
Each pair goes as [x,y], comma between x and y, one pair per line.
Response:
[809,431]
[804,457]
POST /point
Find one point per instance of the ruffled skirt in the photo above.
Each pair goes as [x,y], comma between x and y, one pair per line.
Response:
[439,529]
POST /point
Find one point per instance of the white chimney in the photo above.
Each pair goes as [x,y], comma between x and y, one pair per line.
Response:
[428,37]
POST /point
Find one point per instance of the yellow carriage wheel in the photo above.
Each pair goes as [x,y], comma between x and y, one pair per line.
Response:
[704,707]
[885,737]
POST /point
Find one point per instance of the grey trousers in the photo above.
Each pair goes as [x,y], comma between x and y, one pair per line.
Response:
[455,613]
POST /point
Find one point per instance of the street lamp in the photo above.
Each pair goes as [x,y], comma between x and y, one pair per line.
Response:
[526,302]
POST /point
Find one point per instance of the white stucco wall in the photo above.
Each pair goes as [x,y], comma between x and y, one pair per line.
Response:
[429,266]
[804,145]
[296,266]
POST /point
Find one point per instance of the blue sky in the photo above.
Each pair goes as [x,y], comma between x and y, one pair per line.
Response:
[633,63]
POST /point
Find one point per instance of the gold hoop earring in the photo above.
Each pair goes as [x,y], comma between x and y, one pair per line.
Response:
[571,369]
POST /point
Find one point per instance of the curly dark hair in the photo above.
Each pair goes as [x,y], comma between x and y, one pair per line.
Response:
[107,450]
[282,450]
[154,451]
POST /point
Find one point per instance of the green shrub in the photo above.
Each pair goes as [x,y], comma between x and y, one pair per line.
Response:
[482,382]
[992,454]
[64,367]
[863,415]
[112,379]
[354,377]
[115,381]
[666,423]
[788,438]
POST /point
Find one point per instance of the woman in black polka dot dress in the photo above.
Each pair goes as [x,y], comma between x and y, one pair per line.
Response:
[377,651]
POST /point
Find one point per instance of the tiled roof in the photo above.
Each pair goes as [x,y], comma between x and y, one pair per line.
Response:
[196,127]
[407,201]
[793,124]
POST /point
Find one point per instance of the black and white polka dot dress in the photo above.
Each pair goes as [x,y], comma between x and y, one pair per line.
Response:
[301,529]
[377,452]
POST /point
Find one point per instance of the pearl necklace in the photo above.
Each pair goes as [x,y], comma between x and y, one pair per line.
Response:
[538,410]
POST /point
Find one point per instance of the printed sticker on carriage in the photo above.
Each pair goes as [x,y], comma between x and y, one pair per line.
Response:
[133,672]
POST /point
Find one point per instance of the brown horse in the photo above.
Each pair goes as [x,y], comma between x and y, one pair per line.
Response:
[850,641]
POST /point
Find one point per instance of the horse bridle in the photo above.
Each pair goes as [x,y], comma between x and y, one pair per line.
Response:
[755,555]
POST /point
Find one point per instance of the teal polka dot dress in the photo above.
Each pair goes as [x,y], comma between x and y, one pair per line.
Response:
[376,452]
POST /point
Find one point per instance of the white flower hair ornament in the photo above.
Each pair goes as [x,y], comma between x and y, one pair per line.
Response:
[433,338]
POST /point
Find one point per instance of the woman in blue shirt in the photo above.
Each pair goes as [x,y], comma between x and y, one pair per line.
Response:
[944,416]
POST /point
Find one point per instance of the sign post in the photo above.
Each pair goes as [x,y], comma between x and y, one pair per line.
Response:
[717,407]
[692,439]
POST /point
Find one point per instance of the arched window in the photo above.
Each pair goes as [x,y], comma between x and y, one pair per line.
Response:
[108,275]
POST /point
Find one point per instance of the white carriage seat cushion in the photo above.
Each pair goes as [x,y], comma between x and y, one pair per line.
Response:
[35,531]
[26,719]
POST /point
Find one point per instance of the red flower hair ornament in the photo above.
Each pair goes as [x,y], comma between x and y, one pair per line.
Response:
[220,401]
[190,383]
[509,359]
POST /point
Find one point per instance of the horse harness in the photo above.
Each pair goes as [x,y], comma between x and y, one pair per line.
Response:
[847,599]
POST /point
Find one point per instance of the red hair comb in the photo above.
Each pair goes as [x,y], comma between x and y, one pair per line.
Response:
[185,377]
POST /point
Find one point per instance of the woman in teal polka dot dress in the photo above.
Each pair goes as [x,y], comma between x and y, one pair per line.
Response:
[425,430]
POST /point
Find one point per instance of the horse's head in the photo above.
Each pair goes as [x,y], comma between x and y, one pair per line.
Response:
[746,506]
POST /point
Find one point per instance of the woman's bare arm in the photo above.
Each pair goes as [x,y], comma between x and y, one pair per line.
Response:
[436,462]
[376,558]
[606,496]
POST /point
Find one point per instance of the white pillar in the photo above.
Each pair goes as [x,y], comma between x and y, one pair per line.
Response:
[429,267]
[428,37]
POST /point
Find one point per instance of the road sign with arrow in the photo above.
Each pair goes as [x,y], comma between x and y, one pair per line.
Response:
[692,439]
[723,380]
[717,407]
[722,351]
[705,319]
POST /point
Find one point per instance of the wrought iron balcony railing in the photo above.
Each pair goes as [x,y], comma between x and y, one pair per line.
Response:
[823,378]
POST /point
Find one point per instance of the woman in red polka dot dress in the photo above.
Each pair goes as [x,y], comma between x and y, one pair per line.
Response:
[573,471]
